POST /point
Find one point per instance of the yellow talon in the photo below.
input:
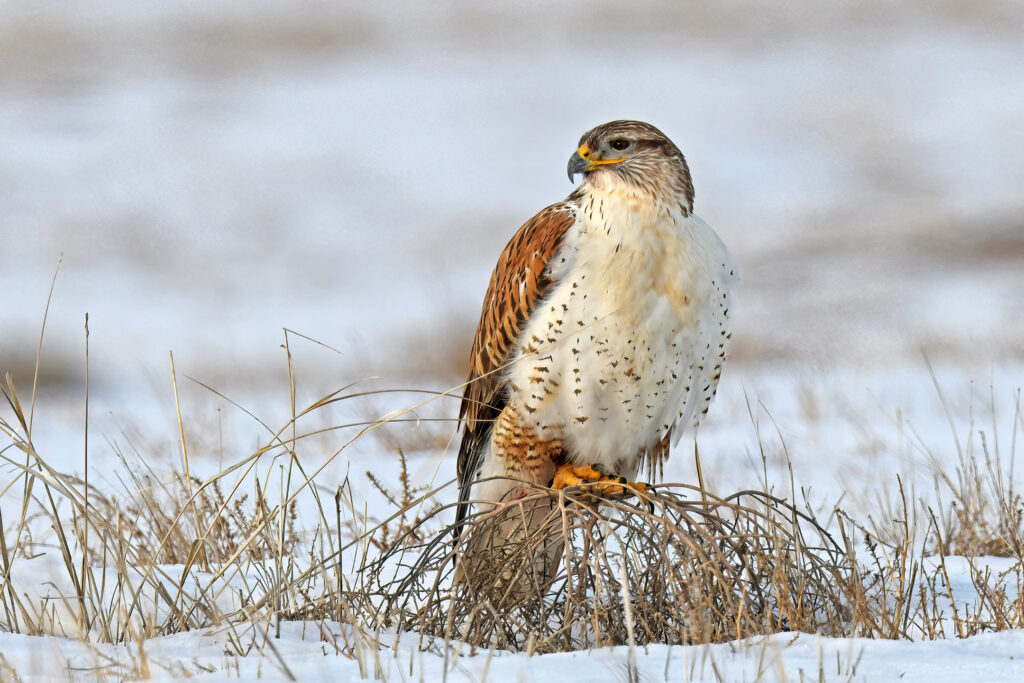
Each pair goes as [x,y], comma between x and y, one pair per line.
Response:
[600,483]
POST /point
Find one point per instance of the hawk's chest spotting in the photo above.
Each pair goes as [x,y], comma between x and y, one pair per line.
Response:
[632,335]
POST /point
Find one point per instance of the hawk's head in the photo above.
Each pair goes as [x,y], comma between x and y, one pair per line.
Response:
[635,153]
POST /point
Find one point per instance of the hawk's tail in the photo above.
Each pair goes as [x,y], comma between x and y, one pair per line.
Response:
[470,452]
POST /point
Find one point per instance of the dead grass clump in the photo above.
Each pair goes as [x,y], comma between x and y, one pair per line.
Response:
[550,572]
[153,502]
[682,566]
[984,515]
[404,528]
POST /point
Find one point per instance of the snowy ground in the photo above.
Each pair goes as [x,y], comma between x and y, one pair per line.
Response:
[847,437]
[301,653]
[218,171]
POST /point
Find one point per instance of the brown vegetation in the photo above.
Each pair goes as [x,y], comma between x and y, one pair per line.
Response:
[678,564]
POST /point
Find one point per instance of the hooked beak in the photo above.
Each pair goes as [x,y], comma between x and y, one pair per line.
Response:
[582,161]
[577,164]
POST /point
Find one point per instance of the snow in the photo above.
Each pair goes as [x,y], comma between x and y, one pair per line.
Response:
[302,653]
[844,434]
[219,171]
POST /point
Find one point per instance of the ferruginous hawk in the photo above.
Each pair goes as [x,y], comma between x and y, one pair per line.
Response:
[603,330]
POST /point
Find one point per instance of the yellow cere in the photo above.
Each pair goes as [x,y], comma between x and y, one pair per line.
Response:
[584,151]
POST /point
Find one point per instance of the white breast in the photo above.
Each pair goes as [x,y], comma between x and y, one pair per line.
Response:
[631,340]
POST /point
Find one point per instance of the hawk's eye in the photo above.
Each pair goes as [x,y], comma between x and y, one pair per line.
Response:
[619,144]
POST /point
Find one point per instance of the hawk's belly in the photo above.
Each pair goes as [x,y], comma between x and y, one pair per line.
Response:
[620,351]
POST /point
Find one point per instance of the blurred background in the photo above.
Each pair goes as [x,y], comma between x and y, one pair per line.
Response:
[213,172]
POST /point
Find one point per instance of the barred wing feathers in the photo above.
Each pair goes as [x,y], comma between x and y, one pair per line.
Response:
[518,284]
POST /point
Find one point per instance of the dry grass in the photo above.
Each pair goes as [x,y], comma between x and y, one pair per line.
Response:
[693,568]
[985,512]
[678,565]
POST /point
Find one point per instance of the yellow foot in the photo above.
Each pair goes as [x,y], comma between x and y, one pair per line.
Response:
[596,481]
